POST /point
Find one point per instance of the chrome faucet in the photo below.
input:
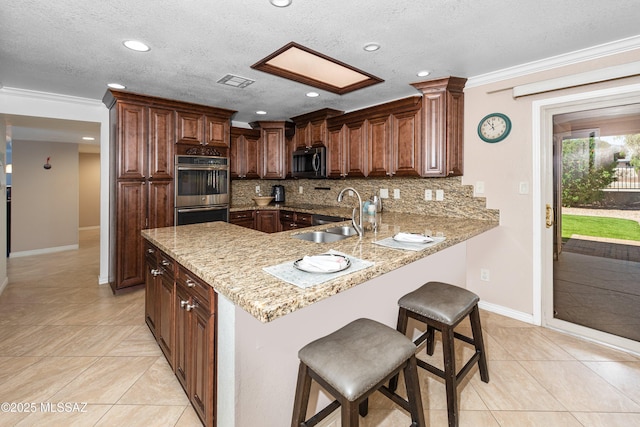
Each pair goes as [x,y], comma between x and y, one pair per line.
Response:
[358,227]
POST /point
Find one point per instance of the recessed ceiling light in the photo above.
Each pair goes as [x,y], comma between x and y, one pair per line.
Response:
[261,112]
[313,94]
[116,86]
[136,45]
[423,73]
[280,3]
[88,138]
[371,47]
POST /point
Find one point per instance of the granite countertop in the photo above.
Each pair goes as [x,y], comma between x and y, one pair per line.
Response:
[231,258]
[313,209]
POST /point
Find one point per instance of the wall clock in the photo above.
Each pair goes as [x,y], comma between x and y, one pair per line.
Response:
[494,127]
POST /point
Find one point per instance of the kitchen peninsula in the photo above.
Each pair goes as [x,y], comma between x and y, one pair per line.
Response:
[261,321]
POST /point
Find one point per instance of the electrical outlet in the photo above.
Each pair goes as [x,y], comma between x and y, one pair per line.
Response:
[351,193]
[396,193]
[479,187]
[300,189]
[257,189]
[439,195]
[428,195]
[384,193]
[523,187]
[484,274]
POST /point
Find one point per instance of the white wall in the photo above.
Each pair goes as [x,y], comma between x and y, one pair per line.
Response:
[3,211]
[510,251]
[89,194]
[37,104]
[44,202]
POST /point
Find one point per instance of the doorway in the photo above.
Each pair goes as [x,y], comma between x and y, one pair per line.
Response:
[588,286]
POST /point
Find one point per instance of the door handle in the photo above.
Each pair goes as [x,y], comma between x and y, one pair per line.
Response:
[549,220]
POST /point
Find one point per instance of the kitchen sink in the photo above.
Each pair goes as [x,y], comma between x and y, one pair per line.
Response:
[345,230]
[320,236]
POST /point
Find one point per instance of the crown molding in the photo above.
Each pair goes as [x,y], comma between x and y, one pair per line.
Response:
[48,96]
[587,54]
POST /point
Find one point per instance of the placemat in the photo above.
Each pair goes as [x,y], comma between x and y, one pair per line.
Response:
[408,246]
[287,272]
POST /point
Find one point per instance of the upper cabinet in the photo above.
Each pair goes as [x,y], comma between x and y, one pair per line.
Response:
[202,129]
[442,126]
[243,153]
[311,128]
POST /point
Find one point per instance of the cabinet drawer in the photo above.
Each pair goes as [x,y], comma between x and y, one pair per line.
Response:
[303,218]
[196,287]
[286,216]
[235,216]
[166,263]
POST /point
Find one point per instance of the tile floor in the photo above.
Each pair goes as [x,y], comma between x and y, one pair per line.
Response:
[65,339]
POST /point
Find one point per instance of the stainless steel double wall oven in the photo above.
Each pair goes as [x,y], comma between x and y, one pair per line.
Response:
[201,189]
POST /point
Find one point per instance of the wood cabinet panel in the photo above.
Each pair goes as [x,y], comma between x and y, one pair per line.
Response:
[244,153]
[336,165]
[131,128]
[166,313]
[216,131]
[242,218]
[190,127]
[160,202]
[379,146]
[355,140]
[181,350]
[161,148]
[442,126]
[406,143]
[202,362]
[267,221]
[131,202]
[271,152]
[151,288]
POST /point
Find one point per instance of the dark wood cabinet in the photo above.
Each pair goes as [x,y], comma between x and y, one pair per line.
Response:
[159,298]
[355,144]
[143,134]
[290,220]
[267,221]
[196,348]
[336,164]
[406,142]
[379,147]
[311,128]
[202,129]
[442,126]
[271,150]
[180,310]
[242,218]
[243,153]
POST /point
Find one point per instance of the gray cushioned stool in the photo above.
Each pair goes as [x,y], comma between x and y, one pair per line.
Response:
[442,306]
[352,363]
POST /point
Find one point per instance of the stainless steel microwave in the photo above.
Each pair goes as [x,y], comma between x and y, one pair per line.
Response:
[309,163]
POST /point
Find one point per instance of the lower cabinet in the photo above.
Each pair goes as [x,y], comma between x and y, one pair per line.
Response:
[180,311]
[267,221]
[290,220]
[242,218]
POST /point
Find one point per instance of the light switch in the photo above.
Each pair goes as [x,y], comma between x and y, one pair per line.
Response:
[480,187]
[428,195]
[384,193]
[396,193]
[523,188]
[300,189]
[439,195]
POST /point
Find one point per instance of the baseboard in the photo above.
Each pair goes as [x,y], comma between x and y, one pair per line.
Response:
[102,280]
[43,251]
[507,312]
[93,227]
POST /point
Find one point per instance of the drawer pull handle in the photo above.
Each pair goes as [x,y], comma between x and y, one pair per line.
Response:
[191,283]
[165,262]
[156,272]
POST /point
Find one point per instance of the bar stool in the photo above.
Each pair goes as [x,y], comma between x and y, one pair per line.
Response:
[442,307]
[352,363]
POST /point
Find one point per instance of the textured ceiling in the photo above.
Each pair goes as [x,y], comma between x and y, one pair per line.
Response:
[74,47]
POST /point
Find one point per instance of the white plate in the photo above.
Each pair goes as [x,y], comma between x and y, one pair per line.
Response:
[412,238]
[302,265]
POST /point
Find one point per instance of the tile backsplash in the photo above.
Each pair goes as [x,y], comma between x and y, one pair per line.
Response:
[458,200]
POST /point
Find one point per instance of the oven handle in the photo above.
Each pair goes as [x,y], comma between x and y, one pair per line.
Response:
[203,168]
[212,208]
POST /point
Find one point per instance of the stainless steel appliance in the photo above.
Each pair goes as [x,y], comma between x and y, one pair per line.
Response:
[277,191]
[201,189]
[309,163]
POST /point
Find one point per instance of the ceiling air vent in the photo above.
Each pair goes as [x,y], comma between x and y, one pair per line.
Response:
[235,81]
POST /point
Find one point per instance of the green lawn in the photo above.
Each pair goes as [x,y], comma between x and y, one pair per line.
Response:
[613,228]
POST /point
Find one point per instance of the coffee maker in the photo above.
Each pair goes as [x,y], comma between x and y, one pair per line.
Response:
[278,193]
